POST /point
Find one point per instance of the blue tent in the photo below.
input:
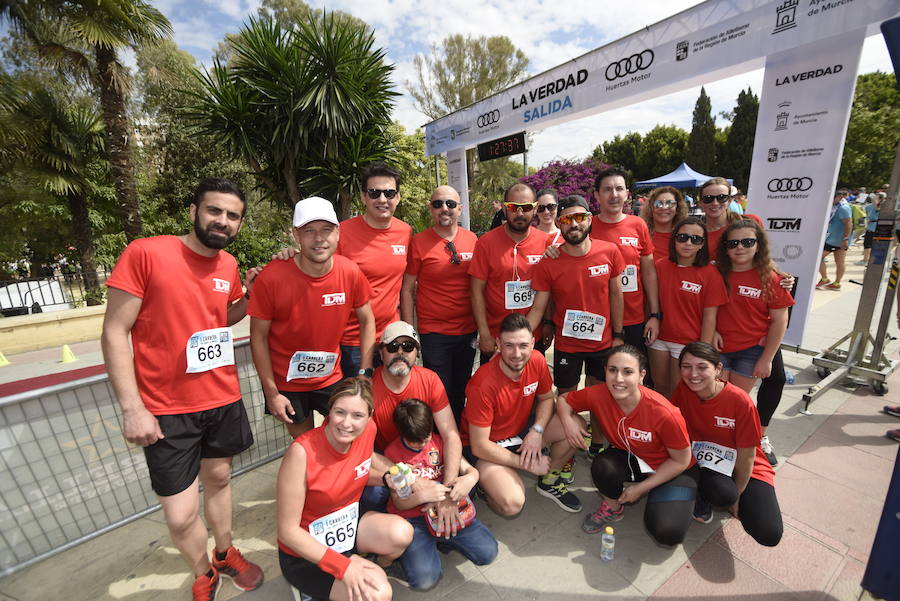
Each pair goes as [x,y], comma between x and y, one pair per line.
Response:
[682,177]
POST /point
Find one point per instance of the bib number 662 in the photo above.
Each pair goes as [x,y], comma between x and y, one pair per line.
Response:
[339,535]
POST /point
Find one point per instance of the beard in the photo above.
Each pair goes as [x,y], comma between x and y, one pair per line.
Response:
[399,367]
[209,241]
[518,224]
[577,236]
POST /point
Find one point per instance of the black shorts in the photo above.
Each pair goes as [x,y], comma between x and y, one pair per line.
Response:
[510,444]
[174,461]
[867,239]
[306,576]
[567,367]
[830,249]
[304,402]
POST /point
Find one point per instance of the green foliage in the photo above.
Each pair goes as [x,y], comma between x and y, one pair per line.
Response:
[622,151]
[872,134]
[701,148]
[491,179]
[662,149]
[737,151]
[409,158]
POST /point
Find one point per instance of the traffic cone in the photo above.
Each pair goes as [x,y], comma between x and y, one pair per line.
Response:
[67,355]
[3,360]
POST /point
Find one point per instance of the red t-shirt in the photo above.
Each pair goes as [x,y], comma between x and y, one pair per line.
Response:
[633,239]
[661,245]
[424,385]
[381,254]
[443,302]
[182,293]
[333,480]
[495,401]
[713,237]
[729,419]
[684,292]
[652,427]
[427,463]
[499,260]
[580,284]
[744,319]
[307,314]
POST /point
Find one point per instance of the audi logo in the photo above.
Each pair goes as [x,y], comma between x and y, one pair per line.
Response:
[488,118]
[627,66]
[790,184]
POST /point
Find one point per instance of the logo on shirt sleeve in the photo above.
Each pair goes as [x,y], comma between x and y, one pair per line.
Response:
[640,435]
[337,298]
[628,241]
[749,291]
[532,259]
[220,285]
[724,422]
[596,270]
[398,249]
[362,470]
[530,389]
[691,287]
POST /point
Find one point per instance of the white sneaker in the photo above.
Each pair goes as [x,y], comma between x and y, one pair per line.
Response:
[768,450]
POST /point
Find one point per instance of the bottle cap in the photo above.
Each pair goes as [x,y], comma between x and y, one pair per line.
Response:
[609,530]
[393,470]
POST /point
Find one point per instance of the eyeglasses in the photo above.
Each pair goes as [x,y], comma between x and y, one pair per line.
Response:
[745,242]
[708,198]
[454,256]
[574,218]
[694,238]
[515,206]
[408,346]
[549,207]
[375,193]
[438,203]
[664,204]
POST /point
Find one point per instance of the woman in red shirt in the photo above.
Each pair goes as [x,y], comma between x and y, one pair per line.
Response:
[662,210]
[690,293]
[649,445]
[724,428]
[322,476]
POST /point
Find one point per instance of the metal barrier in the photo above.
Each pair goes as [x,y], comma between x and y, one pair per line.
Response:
[53,293]
[67,474]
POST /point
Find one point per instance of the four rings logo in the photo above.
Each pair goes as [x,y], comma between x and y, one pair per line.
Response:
[630,65]
[488,118]
[790,184]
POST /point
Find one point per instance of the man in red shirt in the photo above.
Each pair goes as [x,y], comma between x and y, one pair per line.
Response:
[436,291]
[377,242]
[299,310]
[176,297]
[509,418]
[501,267]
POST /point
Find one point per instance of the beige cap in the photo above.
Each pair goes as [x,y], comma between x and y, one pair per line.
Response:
[397,330]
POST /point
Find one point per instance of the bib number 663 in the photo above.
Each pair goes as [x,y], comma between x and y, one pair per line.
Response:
[213,351]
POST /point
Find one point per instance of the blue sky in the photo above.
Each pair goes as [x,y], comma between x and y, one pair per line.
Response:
[567,28]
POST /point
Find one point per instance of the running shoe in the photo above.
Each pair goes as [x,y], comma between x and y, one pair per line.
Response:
[205,586]
[894,434]
[597,521]
[768,450]
[861,262]
[246,575]
[892,410]
[833,286]
[594,449]
[703,511]
[559,492]
[822,282]
[567,473]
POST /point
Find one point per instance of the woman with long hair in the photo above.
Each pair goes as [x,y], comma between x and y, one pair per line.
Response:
[545,215]
[664,207]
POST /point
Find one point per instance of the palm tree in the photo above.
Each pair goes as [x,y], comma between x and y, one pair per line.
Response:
[82,38]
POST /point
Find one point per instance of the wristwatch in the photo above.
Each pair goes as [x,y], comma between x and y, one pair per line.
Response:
[537,428]
[367,372]
[657,315]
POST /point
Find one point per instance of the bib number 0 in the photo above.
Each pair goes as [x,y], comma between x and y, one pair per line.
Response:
[629,279]
[209,349]
[305,364]
[337,530]
[583,325]
[519,295]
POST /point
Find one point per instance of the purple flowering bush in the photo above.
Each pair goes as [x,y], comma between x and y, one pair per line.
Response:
[568,177]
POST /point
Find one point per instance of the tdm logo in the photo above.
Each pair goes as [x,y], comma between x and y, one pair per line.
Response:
[488,118]
[784,224]
[629,65]
[790,184]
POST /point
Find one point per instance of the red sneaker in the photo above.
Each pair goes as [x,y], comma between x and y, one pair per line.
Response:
[245,575]
[205,587]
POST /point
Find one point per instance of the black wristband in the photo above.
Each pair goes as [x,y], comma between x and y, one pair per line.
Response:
[619,335]
[384,477]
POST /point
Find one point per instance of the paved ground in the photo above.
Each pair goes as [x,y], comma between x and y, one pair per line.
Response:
[831,483]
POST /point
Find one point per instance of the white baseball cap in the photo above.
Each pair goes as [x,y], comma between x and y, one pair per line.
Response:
[314,208]
[397,330]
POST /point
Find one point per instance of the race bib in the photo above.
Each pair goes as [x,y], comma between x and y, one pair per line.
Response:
[629,278]
[645,467]
[209,349]
[307,364]
[513,441]
[583,325]
[714,456]
[519,295]
[337,530]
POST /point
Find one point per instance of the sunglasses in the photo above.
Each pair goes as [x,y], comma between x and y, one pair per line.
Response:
[408,346]
[514,206]
[454,256]
[574,218]
[708,198]
[438,203]
[375,193]
[549,207]
[664,204]
[745,242]
[694,238]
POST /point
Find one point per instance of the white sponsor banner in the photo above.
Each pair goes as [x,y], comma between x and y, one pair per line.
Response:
[715,39]
[458,179]
[803,112]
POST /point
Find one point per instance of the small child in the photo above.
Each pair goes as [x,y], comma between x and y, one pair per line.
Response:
[422,449]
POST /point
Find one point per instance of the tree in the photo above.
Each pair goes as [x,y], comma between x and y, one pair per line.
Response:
[622,151]
[872,134]
[701,148]
[83,37]
[737,153]
[662,150]
[569,177]
[408,156]
[306,108]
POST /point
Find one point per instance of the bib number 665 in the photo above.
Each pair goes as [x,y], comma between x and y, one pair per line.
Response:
[339,535]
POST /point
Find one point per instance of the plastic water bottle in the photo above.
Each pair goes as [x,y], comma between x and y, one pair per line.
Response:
[788,376]
[400,478]
[608,544]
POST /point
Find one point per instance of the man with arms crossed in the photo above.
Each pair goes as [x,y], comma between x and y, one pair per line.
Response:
[177,296]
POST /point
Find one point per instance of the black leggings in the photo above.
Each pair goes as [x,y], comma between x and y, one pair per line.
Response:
[667,514]
[769,394]
[758,511]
